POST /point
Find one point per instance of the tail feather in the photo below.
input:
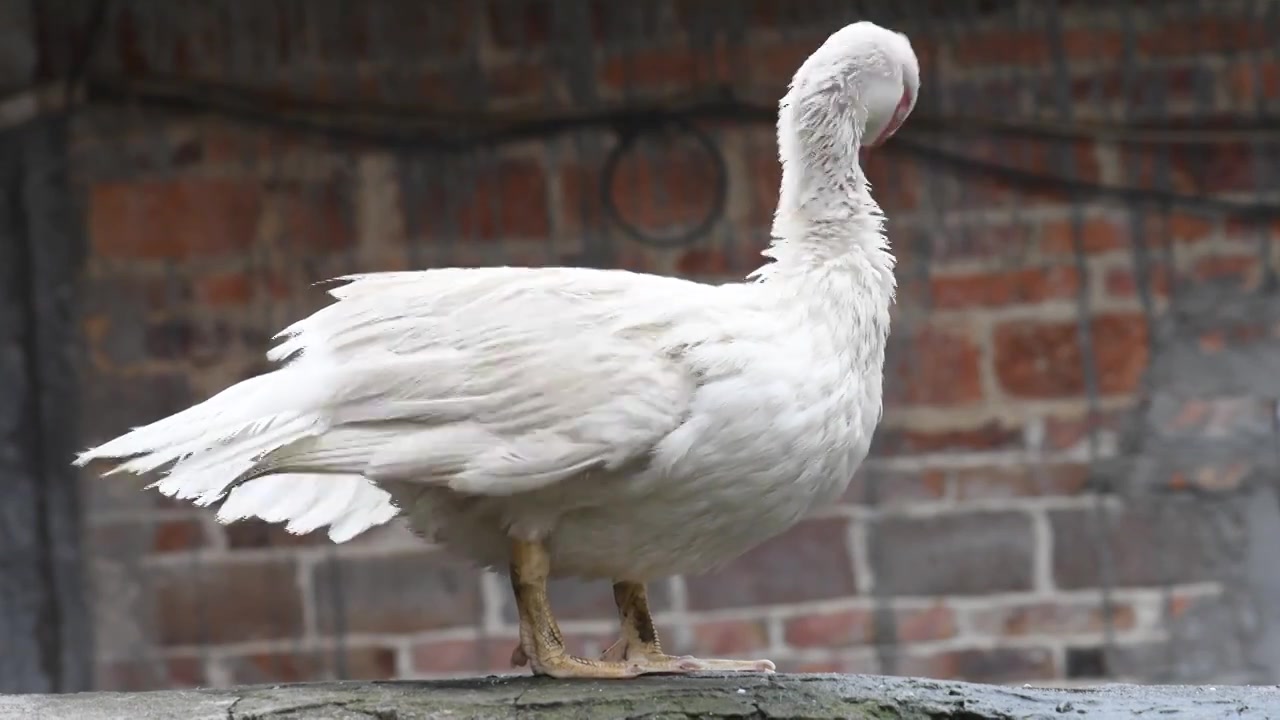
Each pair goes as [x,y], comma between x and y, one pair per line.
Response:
[205,476]
[347,504]
[208,446]
[246,407]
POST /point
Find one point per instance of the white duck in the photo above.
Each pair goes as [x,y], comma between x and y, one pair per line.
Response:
[579,422]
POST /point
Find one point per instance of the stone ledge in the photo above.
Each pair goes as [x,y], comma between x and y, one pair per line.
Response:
[814,697]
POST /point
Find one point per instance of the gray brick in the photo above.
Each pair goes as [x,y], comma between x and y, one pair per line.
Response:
[809,562]
[1148,544]
[401,593]
[961,554]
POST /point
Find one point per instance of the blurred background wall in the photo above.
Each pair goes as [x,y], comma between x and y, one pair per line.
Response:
[1075,477]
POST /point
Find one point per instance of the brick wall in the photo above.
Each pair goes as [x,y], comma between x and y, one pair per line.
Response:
[975,544]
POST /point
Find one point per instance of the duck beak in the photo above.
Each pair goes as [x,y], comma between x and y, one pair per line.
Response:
[900,113]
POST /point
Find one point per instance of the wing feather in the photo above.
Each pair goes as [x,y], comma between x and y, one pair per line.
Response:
[489,381]
[509,380]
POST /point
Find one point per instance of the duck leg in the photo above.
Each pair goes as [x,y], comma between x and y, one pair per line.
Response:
[639,640]
[637,652]
[541,644]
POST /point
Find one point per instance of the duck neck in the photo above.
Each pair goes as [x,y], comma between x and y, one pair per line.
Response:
[827,223]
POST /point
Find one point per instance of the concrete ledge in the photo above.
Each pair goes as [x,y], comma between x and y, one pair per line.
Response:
[815,697]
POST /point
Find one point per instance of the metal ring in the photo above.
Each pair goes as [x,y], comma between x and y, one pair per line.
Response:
[720,187]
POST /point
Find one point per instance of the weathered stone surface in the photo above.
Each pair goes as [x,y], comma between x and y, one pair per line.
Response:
[778,696]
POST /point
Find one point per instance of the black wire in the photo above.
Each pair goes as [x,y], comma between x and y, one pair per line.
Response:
[1080,189]
[404,129]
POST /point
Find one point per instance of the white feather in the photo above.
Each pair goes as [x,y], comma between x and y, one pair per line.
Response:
[639,425]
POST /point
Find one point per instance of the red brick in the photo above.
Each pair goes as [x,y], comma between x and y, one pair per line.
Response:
[896,181]
[994,665]
[808,562]
[889,488]
[201,342]
[359,663]
[671,67]
[1096,236]
[1179,228]
[763,182]
[1047,159]
[143,675]
[401,593]
[1067,431]
[506,200]
[518,83]
[1109,85]
[1202,34]
[1005,47]
[526,26]
[437,88]
[224,289]
[116,402]
[971,553]
[771,66]
[891,440]
[1043,360]
[1042,159]
[1252,79]
[139,291]
[1062,619]
[463,656]
[128,44]
[509,84]
[713,638]
[837,629]
[1244,271]
[261,534]
[706,262]
[1224,167]
[936,622]
[930,366]
[856,627]
[1123,282]
[226,602]
[999,483]
[234,289]
[997,289]
[233,146]
[581,207]
[177,535]
[521,26]
[1249,229]
[996,243]
[172,219]
[316,218]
